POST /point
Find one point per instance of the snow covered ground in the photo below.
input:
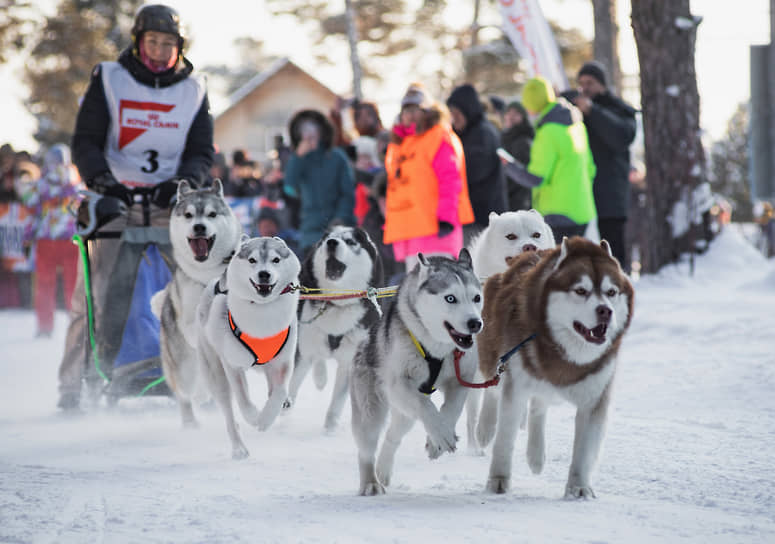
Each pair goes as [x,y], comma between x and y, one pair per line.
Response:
[688,456]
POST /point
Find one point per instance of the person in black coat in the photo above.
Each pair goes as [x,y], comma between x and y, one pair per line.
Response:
[611,128]
[516,138]
[480,139]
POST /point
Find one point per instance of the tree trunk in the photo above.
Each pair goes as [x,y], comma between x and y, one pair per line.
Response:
[475,24]
[606,43]
[352,38]
[665,35]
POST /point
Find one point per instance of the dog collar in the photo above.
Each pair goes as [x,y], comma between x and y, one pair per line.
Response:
[262,349]
[434,367]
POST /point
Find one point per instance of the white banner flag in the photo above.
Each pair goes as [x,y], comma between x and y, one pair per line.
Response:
[526,27]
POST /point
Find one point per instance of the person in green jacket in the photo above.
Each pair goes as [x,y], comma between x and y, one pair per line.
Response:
[561,168]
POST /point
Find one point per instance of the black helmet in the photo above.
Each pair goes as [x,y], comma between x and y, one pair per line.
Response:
[160,18]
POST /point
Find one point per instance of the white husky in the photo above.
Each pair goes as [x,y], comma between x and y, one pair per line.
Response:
[507,236]
[248,320]
[409,354]
[204,233]
[344,259]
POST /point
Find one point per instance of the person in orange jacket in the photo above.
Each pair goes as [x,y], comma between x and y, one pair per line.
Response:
[427,194]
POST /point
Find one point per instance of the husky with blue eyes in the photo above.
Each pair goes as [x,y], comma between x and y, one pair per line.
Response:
[569,308]
[409,355]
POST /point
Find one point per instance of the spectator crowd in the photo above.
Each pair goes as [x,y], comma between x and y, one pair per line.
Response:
[426,181]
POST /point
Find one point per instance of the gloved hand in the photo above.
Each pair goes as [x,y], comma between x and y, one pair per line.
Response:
[164,193]
[106,184]
[445,229]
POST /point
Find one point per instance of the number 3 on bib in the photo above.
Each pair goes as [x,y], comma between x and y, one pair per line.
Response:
[153,164]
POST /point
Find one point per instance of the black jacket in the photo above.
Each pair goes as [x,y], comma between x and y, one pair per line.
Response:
[480,139]
[611,127]
[517,141]
[93,122]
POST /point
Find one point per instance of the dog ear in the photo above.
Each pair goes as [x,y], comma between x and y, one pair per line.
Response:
[464,258]
[184,187]
[243,239]
[217,187]
[563,252]
[493,215]
[423,261]
[607,247]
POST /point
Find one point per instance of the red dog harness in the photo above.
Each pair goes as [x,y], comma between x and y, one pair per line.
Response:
[263,349]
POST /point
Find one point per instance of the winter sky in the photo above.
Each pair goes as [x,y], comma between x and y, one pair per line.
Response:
[722,56]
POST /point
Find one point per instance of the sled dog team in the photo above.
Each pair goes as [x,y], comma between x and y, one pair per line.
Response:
[545,328]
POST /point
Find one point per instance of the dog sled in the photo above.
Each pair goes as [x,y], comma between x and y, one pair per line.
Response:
[123,353]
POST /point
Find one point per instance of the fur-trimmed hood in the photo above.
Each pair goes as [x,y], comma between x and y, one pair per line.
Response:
[326,128]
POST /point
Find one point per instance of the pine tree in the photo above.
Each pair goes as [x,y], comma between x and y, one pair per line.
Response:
[14,20]
[729,159]
[71,42]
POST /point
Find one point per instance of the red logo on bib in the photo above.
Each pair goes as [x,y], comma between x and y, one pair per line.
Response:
[135,118]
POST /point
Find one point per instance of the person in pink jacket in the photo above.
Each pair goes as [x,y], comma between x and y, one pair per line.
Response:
[427,195]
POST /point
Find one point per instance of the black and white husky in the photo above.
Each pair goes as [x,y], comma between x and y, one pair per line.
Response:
[410,354]
[344,259]
[247,320]
[204,233]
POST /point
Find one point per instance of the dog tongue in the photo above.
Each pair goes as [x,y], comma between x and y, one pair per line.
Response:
[199,247]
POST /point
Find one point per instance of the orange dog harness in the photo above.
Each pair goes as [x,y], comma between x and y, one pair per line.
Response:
[263,349]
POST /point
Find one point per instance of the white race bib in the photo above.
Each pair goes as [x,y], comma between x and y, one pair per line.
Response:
[149,126]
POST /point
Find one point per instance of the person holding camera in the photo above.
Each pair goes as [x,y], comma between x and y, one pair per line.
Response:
[144,122]
[320,176]
[611,127]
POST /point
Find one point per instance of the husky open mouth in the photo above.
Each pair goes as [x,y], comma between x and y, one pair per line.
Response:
[465,341]
[201,247]
[263,289]
[334,268]
[595,335]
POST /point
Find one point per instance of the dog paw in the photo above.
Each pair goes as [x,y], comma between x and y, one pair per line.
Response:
[190,424]
[498,484]
[384,476]
[320,374]
[536,457]
[239,452]
[435,447]
[575,492]
[474,450]
[372,488]
[331,423]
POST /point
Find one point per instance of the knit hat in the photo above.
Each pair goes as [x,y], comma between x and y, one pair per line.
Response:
[594,69]
[417,95]
[537,94]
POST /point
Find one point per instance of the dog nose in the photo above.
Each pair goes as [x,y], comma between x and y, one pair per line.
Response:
[529,247]
[332,243]
[200,229]
[264,277]
[474,325]
[603,313]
